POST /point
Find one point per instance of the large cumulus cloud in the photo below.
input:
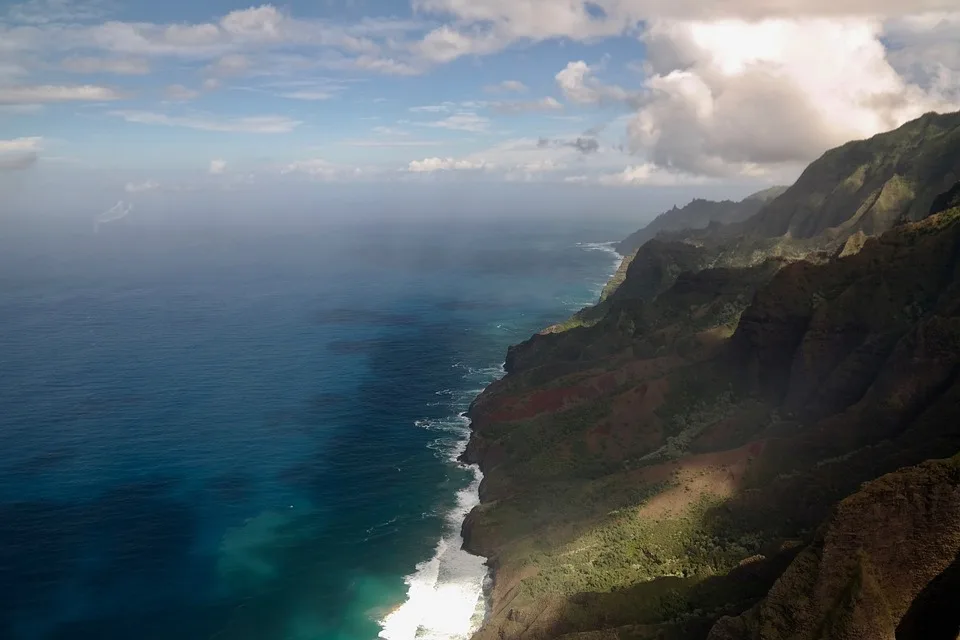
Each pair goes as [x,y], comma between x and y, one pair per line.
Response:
[732,96]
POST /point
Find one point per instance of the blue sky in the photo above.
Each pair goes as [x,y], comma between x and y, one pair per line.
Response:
[147,96]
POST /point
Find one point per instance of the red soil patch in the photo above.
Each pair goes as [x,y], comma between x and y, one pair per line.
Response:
[596,384]
[632,423]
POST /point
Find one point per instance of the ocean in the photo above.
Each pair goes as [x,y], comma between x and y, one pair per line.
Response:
[250,431]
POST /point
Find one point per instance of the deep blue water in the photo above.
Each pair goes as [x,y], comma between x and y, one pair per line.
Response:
[246,432]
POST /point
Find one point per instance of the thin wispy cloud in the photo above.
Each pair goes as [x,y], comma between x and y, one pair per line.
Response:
[250,124]
[529,106]
[179,93]
[307,94]
[38,94]
[140,187]
[470,122]
[31,143]
[118,66]
[387,143]
[507,86]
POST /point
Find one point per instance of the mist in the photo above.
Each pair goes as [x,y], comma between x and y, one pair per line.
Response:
[76,204]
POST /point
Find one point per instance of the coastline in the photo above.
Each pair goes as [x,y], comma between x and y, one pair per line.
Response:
[452,594]
[474,452]
[445,593]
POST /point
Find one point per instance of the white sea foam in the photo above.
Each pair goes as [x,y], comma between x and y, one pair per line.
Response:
[445,593]
[607,247]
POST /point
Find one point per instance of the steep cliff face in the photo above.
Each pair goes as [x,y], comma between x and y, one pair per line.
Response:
[869,184]
[680,454]
[886,564]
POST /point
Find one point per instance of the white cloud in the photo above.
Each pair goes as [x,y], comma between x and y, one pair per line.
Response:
[925,50]
[118,66]
[38,94]
[446,44]
[729,97]
[20,153]
[544,104]
[387,137]
[308,94]
[256,23]
[486,26]
[533,170]
[579,85]
[386,144]
[524,159]
[432,165]
[385,66]
[469,122]
[320,169]
[251,124]
[433,108]
[39,12]
[32,143]
[217,167]
[390,131]
[584,19]
[239,42]
[20,109]
[507,86]
[647,174]
[179,93]
[139,187]
[233,64]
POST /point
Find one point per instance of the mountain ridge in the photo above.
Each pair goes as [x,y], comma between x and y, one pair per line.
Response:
[698,214]
[671,462]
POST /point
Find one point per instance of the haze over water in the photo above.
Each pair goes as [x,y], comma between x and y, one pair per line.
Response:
[247,431]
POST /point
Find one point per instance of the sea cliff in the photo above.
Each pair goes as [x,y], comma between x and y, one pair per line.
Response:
[687,459]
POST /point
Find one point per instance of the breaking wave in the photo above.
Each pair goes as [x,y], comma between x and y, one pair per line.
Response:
[445,594]
[606,247]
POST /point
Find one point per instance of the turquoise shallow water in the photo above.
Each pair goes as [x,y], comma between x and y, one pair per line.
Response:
[247,432]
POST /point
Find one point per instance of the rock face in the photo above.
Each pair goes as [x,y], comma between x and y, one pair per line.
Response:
[688,458]
[946,200]
[886,564]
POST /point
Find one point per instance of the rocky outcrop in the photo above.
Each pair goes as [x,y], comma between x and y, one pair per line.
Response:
[946,200]
[885,565]
[698,214]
